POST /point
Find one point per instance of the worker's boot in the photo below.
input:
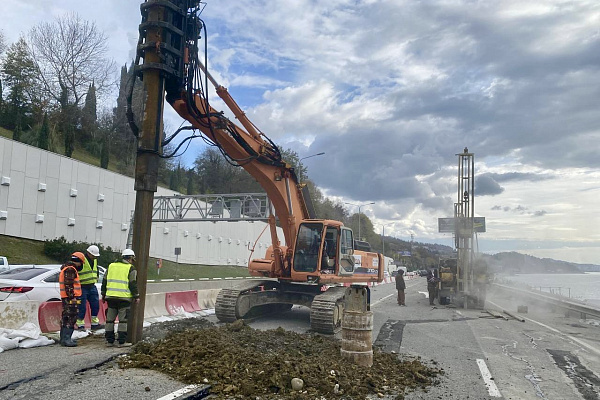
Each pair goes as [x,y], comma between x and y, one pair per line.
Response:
[80,324]
[67,341]
[123,340]
[110,338]
[96,324]
[62,336]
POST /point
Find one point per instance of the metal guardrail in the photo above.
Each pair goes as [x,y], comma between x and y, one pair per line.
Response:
[215,207]
[568,305]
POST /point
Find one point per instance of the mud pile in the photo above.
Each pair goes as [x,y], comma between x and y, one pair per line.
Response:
[240,362]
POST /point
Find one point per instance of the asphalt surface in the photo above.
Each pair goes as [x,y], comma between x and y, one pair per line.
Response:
[548,356]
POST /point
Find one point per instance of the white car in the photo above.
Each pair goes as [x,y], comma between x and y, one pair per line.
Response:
[34,282]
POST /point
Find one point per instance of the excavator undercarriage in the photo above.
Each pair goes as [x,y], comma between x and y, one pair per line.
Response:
[255,298]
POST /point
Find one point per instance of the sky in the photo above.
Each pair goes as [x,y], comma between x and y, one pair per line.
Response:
[392,90]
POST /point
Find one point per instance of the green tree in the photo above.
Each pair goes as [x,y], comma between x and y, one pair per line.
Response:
[69,133]
[44,135]
[191,176]
[17,132]
[20,77]
[89,116]
[292,158]
[217,175]
[105,153]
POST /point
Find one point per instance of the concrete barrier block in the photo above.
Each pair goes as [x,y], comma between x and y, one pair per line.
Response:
[49,316]
[155,305]
[187,301]
[207,298]
[13,314]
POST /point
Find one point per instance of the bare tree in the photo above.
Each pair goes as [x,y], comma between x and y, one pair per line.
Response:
[71,54]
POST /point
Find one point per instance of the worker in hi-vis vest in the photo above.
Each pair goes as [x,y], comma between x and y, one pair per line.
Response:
[70,290]
[119,289]
[88,276]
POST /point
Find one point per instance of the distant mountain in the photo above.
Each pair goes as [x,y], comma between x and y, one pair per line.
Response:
[517,263]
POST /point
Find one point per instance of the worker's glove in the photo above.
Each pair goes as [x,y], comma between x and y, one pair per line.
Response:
[75,301]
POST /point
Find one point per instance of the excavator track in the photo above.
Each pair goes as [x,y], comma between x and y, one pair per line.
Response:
[226,306]
[326,310]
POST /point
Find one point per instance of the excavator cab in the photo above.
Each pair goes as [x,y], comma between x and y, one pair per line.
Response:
[323,248]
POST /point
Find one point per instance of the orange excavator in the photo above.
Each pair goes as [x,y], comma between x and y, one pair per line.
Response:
[318,256]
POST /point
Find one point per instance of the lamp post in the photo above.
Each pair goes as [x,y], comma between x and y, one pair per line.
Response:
[314,155]
[304,158]
[383,237]
[359,206]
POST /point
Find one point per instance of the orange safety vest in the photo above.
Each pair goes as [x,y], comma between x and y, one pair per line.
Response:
[76,284]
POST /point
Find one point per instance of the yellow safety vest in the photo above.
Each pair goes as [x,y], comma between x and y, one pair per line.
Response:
[117,280]
[89,273]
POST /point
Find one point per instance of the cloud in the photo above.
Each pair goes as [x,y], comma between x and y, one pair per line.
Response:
[391,90]
[487,185]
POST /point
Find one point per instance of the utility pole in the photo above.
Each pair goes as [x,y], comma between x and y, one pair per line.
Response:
[146,165]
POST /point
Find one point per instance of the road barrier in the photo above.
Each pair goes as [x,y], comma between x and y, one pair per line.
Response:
[15,313]
[177,302]
[155,305]
[207,298]
[49,315]
[568,306]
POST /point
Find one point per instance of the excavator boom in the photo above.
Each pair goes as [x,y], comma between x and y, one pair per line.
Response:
[317,253]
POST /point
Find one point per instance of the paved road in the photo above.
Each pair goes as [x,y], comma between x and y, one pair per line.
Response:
[546,357]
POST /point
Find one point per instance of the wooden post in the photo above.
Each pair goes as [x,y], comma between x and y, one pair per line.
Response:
[146,170]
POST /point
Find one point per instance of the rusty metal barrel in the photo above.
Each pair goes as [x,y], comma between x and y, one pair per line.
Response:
[357,337]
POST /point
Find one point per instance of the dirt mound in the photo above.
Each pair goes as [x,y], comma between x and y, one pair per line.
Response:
[240,362]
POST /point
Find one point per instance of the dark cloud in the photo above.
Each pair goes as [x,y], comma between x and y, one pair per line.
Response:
[486,185]
[540,213]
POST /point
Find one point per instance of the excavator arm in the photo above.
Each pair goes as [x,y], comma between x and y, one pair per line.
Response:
[250,149]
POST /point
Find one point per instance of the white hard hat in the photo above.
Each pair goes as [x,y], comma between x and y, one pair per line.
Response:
[94,250]
[128,253]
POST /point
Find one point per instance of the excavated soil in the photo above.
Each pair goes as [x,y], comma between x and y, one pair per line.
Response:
[240,362]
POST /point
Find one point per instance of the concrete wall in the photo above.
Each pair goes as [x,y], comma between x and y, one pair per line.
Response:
[44,195]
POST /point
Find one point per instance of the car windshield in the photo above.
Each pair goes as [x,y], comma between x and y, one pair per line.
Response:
[23,274]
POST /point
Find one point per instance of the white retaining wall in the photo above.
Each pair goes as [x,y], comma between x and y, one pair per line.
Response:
[44,195]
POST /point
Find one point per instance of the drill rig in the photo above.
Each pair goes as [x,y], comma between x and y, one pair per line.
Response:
[462,278]
[318,256]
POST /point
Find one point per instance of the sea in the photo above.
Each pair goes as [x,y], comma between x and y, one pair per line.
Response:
[584,287]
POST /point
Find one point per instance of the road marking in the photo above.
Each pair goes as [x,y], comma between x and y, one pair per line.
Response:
[179,392]
[382,299]
[576,340]
[487,377]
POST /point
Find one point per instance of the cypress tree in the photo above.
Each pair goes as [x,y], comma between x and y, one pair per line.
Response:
[104,153]
[17,132]
[89,115]
[69,140]
[44,135]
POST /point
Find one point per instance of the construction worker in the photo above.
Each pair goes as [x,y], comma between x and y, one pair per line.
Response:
[89,293]
[400,287]
[432,285]
[70,291]
[119,289]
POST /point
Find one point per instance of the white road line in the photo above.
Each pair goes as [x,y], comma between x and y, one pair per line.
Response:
[179,392]
[576,340]
[487,377]
[382,299]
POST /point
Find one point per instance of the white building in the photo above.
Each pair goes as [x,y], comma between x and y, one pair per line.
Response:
[44,195]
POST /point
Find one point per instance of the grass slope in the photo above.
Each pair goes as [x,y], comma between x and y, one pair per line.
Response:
[25,251]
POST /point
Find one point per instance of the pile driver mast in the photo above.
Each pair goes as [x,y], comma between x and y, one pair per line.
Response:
[464,215]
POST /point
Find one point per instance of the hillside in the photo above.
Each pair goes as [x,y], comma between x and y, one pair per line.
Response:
[517,263]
